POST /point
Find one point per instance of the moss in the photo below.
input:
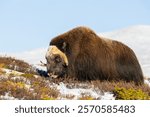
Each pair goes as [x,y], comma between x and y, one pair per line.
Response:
[20,84]
[12,75]
[46,97]
[86,97]
[28,75]
[130,94]
[15,85]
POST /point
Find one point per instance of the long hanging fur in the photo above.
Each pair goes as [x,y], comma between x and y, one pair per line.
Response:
[93,57]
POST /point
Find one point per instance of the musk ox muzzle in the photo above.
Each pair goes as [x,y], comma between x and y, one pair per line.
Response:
[57,61]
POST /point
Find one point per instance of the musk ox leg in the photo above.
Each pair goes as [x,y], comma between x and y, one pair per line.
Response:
[130,71]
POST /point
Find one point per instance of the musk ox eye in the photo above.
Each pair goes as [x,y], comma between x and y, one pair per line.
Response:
[57,59]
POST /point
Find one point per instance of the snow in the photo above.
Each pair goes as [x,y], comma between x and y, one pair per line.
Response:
[147,81]
[77,92]
[108,96]
[9,71]
[7,97]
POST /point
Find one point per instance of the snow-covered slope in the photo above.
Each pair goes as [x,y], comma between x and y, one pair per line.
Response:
[137,38]
[20,80]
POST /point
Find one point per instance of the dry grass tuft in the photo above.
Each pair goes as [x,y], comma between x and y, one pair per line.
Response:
[68,96]
[28,88]
[110,86]
[86,97]
[1,71]
[15,64]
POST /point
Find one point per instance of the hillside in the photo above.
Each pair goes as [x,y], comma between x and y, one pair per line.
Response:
[136,37]
[22,78]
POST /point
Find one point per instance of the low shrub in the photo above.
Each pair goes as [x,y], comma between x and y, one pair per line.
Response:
[27,75]
[27,88]
[15,64]
[85,96]
[130,94]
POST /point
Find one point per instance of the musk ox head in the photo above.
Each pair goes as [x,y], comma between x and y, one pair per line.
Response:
[57,61]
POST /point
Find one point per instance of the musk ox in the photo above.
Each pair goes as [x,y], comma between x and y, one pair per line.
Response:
[82,54]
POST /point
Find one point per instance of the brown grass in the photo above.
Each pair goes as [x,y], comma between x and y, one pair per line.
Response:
[39,88]
[15,64]
[68,96]
[101,85]
[86,97]
[1,71]
[110,86]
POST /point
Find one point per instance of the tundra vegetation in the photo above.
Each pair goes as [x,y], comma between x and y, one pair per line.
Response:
[20,80]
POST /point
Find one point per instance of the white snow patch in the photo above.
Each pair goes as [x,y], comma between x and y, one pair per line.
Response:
[9,71]
[77,92]
[8,97]
[108,96]
[147,81]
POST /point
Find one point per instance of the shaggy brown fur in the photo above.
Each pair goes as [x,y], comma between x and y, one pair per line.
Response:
[91,57]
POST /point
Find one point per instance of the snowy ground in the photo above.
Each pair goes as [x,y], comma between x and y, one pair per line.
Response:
[74,93]
[136,37]
[77,92]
